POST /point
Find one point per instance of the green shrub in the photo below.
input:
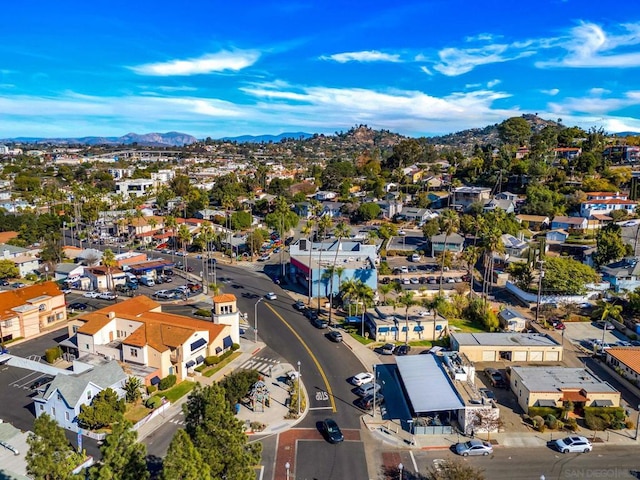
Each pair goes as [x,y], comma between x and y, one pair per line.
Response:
[544,411]
[200,368]
[235,347]
[153,402]
[53,354]
[203,312]
[538,422]
[151,389]
[167,382]
[211,360]
[601,418]
[571,424]
[551,421]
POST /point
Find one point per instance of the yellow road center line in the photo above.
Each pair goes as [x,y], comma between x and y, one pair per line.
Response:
[313,357]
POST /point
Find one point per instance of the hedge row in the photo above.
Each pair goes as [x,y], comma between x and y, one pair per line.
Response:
[544,411]
[167,382]
[215,359]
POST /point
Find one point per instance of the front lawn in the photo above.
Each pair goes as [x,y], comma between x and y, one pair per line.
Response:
[135,413]
[214,368]
[177,392]
[465,326]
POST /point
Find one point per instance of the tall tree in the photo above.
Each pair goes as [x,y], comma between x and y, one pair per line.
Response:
[341,231]
[183,461]
[123,457]
[610,246]
[406,300]
[515,131]
[110,262]
[50,456]
[218,435]
[449,223]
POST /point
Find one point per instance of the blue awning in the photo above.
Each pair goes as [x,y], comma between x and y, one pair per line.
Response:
[438,327]
[190,363]
[404,329]
[418,328]
[218,349]
[200,359]
[383,329]
[198,343]
[155,380]
[227,342]
[393,329]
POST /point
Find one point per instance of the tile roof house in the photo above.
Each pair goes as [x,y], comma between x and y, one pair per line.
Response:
[65,395]
[28,311]
[592,207]
[625,361]
[623,274]
[136,331]
[535,222]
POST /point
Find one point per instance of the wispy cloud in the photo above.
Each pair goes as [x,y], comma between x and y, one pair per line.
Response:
[590,46]
[457,61]
[215,62]
[552,91]
[426,70]
[595,103]
[364,56]
[493,83]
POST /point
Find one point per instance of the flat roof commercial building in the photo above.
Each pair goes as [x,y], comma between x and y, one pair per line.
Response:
[514,347]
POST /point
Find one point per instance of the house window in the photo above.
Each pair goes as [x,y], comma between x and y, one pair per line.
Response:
[66,416]
[53,411]
[51,319]
[86,346]
[7,323]
[133,352]
[41,408]
[59,316]
[89,395]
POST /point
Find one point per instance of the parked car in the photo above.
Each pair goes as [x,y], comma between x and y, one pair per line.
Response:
[299,305]
[488,394]
[415,257]
[107,296]
[404,269]
[18,285]
[405,281]
[414,281]
[573,444]
[271,296]
[4,283]
[264,257]
[332,431]
[606,325]
[320,322]
[402,350]
[384,281]
[387,349]
[93,294]
[334,336]
[559,326]
[474,447]
[366,403]
[367,389]
[362,378]
[40,382]
[81,307]
[495,377]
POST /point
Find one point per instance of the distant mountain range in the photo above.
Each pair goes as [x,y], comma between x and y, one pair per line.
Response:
[169,139]
[268,138]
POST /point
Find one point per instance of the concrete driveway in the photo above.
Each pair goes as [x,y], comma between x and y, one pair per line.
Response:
[579,333]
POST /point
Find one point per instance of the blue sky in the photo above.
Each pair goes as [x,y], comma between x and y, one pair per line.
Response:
[213,68]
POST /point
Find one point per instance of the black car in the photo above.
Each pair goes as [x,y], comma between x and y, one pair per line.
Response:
[39,382]
[78,306]
[386,280]
[366,403]
[334,336]
[310,314]
[4,283]
[402,350]
[387,349]
[332,431]
[495,378]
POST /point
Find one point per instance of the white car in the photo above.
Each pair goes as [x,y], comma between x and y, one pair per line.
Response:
[160,293]
[107,296]
[91,294]
[402,233]
[404,269]
[362,378]
[573,444]
[270,296]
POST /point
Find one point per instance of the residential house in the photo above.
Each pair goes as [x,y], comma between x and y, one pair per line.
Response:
[439,199]
[607,206]
[553,386]
[512,320]
[557,236]
[514,247]
[331,209]
[464,197]
[506,205]
[24,258]
[417,215]
[136,187]
[64,397]
[389,324]
[100,278]
[413,173]
[137,332]
[507,196]
[454,243]
[390,209]
[625,361]
[623,274]
[535,222]
[569,223]
[68,272]
[303,209]
[310,262]
[25,312]
[568,153]
[521,153]
[323,196]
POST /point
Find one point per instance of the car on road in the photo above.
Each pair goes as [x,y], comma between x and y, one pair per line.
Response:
[387,349]
[362,378]
[488,394]
[631,223]
[18,285]
[559,326]
[320,322]
[81,307]
[474,447]
[367,389]
[299,305]
[92,294]
[264,257]
[415,257]
[366,403]
[332,431]
[107,296]
[401,350]
[4,283]
[334,336]
[271,296]
[495,377]
[402,233]
[573,444]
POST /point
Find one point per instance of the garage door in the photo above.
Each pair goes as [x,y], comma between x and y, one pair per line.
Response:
[519,356]
[535,356]
[553,356]
[489,356]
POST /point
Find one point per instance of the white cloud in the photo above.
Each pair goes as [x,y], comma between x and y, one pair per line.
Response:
[595,105]
[552,92]
[589,46]
[363,56]
[599,91]
[426,70]
[456,61]
[481,37]
[493,83]
[215,62]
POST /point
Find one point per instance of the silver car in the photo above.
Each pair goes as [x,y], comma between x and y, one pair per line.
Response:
[575,444]
[474,447]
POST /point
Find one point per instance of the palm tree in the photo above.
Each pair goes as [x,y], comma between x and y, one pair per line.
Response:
[492,245]
[365,295]
[109,261]
[406,299]
[604,310]
[435,305]
[307,230]
[385,290]
[206,236]
[349,290]
[340,231]
[449,223]
[171,223]
[470,256]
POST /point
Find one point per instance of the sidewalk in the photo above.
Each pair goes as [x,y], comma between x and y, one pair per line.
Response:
[273,417]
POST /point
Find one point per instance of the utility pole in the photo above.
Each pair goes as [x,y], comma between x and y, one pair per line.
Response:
[540,277]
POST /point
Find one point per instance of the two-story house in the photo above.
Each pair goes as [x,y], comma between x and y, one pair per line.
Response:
[63,398]
[604,203]
[464,197]
[138,332]
[25,312]
[622,275]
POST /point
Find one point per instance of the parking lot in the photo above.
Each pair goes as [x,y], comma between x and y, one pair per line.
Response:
[580,333]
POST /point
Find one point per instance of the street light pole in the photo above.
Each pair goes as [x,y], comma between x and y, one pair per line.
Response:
[637,424]
[287,466]
[255,320]
[540,277]
[401,470]
[375,380]
[299,380]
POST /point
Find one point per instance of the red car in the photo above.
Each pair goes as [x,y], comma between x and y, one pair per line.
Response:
[559,326]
